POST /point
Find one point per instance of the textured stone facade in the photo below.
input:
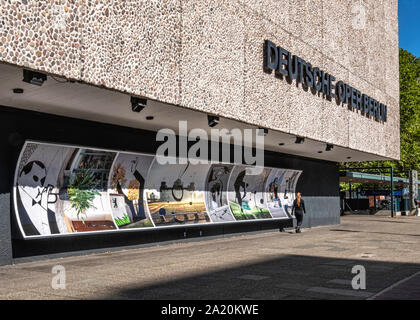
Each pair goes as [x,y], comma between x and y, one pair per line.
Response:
[208,56]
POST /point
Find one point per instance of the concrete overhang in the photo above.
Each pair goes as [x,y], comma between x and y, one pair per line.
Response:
[79,100]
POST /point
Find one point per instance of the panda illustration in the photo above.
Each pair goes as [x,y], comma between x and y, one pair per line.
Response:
[32,179]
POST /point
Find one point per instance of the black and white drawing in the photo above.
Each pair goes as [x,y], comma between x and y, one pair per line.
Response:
[216,193]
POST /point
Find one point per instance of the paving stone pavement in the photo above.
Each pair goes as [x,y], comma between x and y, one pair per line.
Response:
[316,264]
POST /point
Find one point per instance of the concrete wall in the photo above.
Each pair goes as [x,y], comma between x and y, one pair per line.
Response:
[5,234]
[208,55]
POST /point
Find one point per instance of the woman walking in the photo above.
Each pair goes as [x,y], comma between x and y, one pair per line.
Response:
[298,210]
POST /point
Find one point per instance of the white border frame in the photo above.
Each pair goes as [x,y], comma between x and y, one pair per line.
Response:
[84,233]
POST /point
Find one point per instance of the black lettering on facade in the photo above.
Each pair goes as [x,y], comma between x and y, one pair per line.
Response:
[340,91]
[293,66]
[286,64]
[301,64]
[326,84]
[365,104]
[283,61]
[359,100]
[331,87]
[317,79]
[309,79]
[271,56]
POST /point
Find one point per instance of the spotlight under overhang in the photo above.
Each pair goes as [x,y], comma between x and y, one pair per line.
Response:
[329,147]
[138,104]
[213,121]
[299,140]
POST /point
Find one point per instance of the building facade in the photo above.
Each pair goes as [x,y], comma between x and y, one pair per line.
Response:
[321,77]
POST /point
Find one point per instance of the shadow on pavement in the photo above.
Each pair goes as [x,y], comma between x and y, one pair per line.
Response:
[284,277]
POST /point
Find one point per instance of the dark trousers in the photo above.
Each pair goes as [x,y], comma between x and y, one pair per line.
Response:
[299,218]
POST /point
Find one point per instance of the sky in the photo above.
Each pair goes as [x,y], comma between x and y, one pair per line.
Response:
[409,24]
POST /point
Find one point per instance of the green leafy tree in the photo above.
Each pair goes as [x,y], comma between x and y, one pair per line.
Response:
[409,119]
[410,111]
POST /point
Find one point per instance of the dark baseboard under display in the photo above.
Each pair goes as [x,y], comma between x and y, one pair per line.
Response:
[100,242]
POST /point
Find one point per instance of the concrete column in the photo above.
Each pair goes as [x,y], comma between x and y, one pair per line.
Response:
[5,226]
[5,234]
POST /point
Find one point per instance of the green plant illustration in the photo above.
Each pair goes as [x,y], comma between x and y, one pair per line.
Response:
[249,214]
[122,221]
[81,191]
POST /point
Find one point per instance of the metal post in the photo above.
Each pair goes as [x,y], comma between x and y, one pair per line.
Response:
[392,192]
[374,202]
[350,191]
[374,197]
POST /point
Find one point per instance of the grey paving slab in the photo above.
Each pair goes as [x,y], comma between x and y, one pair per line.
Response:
[342,292]
[379,268]
[292,286]
[405,289]
[342,262]
[262,295]
[344,282]
[252,277]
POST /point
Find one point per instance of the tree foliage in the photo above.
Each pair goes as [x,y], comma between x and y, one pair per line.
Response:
[410,110]
[409,119]
[81,191]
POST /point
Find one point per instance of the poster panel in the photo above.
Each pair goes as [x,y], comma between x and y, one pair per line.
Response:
[288,190]
[246,194]
[126,190]
[175,194]
[216,193]
[273,191]
[61,189]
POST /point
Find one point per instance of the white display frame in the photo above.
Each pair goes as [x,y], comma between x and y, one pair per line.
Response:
[154,227]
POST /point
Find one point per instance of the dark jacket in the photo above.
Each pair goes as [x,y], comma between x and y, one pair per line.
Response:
[299,209]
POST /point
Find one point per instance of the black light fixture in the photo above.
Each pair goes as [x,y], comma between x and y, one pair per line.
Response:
[348,158]
[150,117]
[138,104]
[329,147]
[262,132]
[281,144]
[319,151]
[32,77]
[300,140]
[213,120]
